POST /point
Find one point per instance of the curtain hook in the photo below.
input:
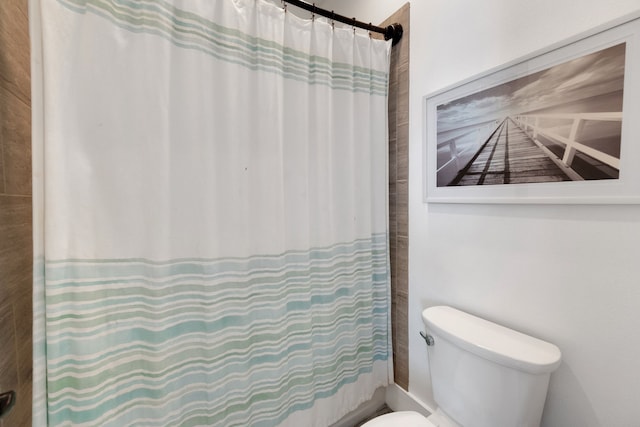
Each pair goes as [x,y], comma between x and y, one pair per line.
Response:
[313,13]
[284,6]
[333,22]
[353,24]
[370,29]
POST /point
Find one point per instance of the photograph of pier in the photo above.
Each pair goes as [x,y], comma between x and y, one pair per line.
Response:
[563,123]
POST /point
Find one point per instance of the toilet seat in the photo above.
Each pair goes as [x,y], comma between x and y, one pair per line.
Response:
[402,418]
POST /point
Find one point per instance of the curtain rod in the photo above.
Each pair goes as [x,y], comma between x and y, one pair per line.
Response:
[391,32]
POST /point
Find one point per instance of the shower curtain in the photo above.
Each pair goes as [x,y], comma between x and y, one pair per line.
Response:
[209,215]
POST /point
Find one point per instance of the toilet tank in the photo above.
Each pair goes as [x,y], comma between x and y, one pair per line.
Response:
[484,374]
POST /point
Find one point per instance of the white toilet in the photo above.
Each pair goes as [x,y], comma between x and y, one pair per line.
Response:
[482,374]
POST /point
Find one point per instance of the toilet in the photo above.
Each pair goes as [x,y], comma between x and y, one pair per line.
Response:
[482,374]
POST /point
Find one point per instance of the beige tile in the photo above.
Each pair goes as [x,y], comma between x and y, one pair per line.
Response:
[392,114]
[398,195]
[17,155]
[392,188]
[402,138]
[402,208]
[401,284]
[23,318]
[8,358]
[16,246]
[393,221]
[402,112]
[14,48]
[15,312]
[403,54]
[393,127]
[393,246]
[401,371]
[402,222]
[393,162]
[402,157]
[403,339]
[402,319]
[404,45]
[402,189]
[402,71]
[20,415]
[392,122]
[1,168]
[402,348]
[15,218]
[15,126]
[394,310]
[392,145]
[402,256]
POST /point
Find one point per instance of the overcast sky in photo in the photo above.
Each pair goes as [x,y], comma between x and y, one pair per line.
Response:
[594,74]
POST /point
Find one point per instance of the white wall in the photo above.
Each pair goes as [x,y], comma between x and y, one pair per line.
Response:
[567,274]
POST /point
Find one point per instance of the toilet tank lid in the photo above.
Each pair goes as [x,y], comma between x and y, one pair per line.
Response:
[491,341]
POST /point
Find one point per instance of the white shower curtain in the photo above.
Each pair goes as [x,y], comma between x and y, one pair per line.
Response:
[210,215]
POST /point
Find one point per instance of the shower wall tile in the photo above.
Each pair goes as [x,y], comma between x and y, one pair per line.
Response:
[2,187]
[20,415]
[402,221]
[398,195]
[402,152]
[392,208]
[15,306]
[402,264]
[15,127]
[8,359]
[402,187]
[15,211]
[23,317]
[403,93]
[15,245]
[393,175]
[14,48]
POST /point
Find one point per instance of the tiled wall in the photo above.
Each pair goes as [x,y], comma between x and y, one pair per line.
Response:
[15,211]
[398,196]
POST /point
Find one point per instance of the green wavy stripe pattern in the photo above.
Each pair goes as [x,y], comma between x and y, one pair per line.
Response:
[190,31]
[216,342]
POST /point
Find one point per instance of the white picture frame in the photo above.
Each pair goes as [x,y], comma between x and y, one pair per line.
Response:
[577,129]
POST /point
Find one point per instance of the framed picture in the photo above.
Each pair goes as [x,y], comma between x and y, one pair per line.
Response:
[561,125]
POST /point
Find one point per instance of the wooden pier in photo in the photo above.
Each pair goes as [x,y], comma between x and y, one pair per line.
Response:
[511,156]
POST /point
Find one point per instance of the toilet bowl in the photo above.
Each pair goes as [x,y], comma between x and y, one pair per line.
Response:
[402,419]
[411,419]
[482,374]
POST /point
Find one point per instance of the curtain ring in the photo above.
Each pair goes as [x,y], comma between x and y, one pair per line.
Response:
[284,6]
[313,13]
[354,25]
[333,22]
